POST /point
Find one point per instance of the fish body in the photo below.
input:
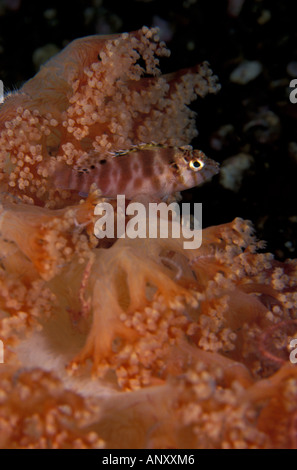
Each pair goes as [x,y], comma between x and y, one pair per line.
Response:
[149,169]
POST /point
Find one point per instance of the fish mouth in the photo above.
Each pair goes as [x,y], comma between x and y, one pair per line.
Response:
[210,169]
[215,167]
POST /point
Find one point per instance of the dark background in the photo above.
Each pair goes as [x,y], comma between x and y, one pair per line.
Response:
[261,119]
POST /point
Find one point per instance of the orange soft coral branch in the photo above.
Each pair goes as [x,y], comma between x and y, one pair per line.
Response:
[212,306]
[123,281]
[38,413]
[47,237]
[156,322]
[90,101]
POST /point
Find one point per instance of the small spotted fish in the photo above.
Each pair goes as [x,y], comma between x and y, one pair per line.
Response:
[148,169]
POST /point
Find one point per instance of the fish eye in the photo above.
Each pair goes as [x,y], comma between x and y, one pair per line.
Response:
[196,164]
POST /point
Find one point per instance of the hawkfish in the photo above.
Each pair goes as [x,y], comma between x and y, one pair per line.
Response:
[151,170]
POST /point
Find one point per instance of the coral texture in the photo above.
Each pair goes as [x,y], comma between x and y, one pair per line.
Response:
[139,343]
[87,103]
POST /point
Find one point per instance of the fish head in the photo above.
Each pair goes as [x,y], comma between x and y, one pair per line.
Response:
[192,168]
